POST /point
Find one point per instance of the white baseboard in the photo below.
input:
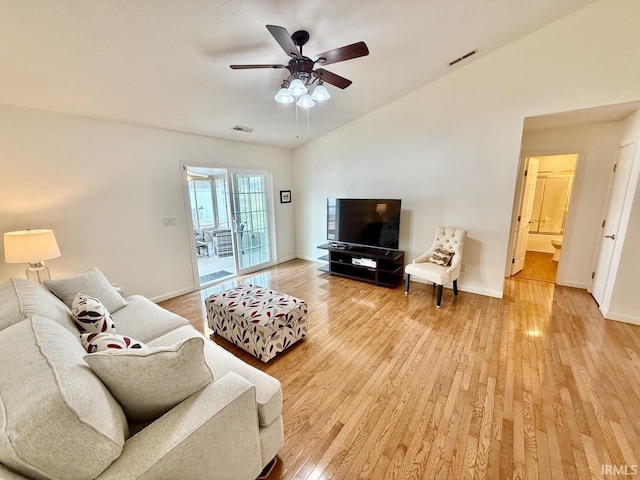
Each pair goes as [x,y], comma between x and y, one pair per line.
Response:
[466,288]
[481,291]
[621,317]
[177,293]
[287,259]
[310,259]
[581,285]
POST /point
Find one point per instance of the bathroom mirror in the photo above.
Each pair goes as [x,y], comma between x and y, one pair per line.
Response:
[551,202]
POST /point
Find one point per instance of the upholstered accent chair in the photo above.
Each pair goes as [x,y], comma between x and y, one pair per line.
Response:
[441,263]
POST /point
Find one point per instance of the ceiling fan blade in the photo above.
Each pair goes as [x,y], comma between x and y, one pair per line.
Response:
[245,67]
[332,78]
[284,40]
[343,53]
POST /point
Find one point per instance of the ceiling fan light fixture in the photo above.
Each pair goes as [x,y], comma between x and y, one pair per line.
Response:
[297,88]
[283,96]
[320,93]
[305,101]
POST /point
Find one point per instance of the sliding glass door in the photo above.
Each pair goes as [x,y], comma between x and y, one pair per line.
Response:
[252,219]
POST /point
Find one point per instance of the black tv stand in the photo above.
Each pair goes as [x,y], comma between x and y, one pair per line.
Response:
[373,265]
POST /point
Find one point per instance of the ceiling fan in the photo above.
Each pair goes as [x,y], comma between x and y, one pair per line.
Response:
[301,67]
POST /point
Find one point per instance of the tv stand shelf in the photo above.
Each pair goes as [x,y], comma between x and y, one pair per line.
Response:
[373,265]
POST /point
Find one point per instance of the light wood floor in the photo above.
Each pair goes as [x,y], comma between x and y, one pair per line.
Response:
[535,385]
[539,266]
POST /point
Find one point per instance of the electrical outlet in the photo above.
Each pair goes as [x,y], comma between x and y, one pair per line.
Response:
[462,267]
[169,221]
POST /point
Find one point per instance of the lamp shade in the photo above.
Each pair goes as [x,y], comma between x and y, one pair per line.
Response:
[296,87]
[320,93]
[381,208]
[305,101]
[283,96]
[30,246]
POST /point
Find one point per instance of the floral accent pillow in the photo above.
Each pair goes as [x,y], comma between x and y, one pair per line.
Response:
[91,316]
[99,342]
[440,256]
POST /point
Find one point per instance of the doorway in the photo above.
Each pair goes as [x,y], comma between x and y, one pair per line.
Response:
[210,217]
[231,222]
[547,188]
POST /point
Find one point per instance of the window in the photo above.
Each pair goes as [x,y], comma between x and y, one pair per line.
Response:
[209,204]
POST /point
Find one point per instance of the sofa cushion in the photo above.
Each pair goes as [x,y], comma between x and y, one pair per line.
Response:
[144,320]
[221,362]
[92,283]
[62,422]
[21,298]
[90,315]
[151,381]
[99,342]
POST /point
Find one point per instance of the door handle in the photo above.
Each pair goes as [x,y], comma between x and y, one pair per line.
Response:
[612,237]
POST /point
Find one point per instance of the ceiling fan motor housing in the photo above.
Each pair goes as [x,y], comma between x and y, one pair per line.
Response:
[301,68]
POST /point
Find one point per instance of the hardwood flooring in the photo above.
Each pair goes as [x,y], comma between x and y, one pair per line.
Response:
[539,266]
[386,386]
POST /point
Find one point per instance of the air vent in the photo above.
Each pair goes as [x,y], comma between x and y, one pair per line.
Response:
[464,57]
[243,129]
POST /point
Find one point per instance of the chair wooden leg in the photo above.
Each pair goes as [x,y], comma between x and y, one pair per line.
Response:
[406,284]
[455,287]
[439,300]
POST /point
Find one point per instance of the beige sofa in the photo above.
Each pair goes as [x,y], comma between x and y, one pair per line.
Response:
[59,421]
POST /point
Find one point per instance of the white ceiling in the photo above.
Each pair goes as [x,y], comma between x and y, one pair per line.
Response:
[606,113]
[165,63]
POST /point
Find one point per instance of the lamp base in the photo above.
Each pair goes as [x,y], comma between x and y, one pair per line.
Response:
[38,272]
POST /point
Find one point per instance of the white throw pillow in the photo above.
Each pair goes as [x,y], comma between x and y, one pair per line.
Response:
[92,283]
[149,382]
[90,316]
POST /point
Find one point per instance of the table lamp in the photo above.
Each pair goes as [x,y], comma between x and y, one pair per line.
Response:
[32,247]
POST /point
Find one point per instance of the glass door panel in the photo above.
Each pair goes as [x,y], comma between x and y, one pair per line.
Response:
[211,226]
[251,220]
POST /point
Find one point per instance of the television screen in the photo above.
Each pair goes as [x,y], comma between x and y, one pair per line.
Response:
[369,222]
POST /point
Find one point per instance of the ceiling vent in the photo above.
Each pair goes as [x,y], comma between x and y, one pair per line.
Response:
[243,129]
[464,57]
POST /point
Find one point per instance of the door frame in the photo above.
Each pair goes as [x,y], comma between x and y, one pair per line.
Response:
[518,198]
[625,211]
[184,165]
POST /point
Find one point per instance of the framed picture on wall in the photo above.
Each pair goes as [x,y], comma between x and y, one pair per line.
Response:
[285,196]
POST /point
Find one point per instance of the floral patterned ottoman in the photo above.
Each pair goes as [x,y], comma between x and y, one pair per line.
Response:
[262,322]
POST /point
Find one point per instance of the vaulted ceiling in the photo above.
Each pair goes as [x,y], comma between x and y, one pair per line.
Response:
[165,63]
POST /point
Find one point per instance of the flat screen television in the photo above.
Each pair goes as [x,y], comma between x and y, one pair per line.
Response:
[367,222]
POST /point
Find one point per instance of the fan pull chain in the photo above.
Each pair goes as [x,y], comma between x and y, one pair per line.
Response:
[297,129]
[308,136]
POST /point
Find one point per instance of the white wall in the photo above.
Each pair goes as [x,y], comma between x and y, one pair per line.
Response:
[451,149]
[597,145]
[625,301]
[104,189]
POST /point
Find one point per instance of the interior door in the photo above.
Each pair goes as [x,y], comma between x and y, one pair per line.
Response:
[612,221]
[524,218]
[251,210]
